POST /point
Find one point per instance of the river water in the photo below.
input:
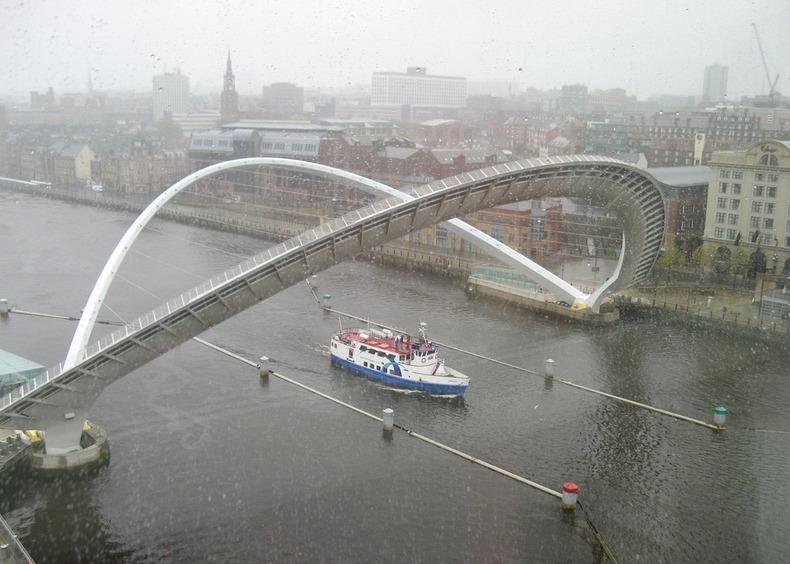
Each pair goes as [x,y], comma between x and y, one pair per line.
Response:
[210,463]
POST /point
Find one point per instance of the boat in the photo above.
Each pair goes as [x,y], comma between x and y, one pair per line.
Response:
[397,359]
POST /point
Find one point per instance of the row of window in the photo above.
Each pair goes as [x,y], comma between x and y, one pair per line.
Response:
[758,176]
[294,147]
[223,143]
[758,190]
[692,225]
[767,239]
[754,221]
[758,207]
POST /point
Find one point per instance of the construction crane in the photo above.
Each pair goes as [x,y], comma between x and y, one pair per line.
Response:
[771,85]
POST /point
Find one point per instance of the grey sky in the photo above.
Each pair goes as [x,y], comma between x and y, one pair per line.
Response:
[646,48]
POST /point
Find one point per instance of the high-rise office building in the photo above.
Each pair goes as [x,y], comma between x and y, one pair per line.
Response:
[714,87]
[417,89]
[170,94]
[283,100]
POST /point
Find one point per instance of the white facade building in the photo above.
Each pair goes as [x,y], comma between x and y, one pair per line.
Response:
[170,94]
[714,86]
[417,89]
[749,199]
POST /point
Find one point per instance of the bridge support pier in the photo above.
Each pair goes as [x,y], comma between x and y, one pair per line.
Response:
[74,445]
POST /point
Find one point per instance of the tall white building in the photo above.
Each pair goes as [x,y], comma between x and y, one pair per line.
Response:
[417,89]
[749,200]
[714,86]
[170,94]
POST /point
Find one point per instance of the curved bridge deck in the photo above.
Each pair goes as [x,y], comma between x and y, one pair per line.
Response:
[629,192]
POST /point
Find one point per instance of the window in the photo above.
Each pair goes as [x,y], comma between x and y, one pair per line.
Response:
[732,234]
[768,239]
[721,203]
[732,219]
[771,192]
[769,160]
[737,174]
[718,233]
[724,174]
[773,177]
[754,221]
[441,236]
[723,187]
[720,217]
[758,191]
[768,223]
[735,204]
[758,176]
[757,206]
[736,188]
[538,230]
[769,208]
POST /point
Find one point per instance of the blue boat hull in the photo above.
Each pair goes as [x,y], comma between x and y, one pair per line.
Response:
[434,388]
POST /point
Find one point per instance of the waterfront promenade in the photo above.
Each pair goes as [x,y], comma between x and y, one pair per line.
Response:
[723,306]
[727,307]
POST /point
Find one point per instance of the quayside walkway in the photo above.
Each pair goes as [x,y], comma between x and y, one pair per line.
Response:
[722,306]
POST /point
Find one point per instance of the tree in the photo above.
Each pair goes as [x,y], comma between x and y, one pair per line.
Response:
[757,263]
[702,257]
[721,260]
[739,263]
[671,258]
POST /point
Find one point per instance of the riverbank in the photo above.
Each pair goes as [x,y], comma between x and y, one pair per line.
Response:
[738,310]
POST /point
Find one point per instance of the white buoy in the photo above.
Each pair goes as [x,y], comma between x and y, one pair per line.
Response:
[710,299]
[570,492]
[389,419]
[548,370]
[327,297]
[719,416]
[263,367]
[3,306]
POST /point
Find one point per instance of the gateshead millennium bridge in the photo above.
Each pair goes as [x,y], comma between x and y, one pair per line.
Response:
[58,401]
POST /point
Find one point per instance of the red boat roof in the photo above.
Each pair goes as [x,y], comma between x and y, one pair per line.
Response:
[400,344]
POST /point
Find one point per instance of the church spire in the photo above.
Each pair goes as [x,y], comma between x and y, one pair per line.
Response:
[230,82]
[229,101]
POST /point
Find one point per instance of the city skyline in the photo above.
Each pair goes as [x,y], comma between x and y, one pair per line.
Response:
[661,49]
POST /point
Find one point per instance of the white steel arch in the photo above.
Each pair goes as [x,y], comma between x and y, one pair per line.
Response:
[58,401]
[509,256]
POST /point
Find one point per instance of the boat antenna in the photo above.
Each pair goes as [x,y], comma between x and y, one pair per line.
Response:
[423,325]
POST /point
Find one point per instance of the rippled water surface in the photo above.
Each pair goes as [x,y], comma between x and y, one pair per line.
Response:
[211,463]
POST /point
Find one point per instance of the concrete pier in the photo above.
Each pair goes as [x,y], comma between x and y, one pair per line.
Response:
[95,451]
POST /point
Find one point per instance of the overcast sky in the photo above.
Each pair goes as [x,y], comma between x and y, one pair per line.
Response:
[645,47]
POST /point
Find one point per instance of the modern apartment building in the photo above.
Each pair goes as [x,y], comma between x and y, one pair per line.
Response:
[749,200]
[170,94]
[714,85]
[283,100]
[417,89]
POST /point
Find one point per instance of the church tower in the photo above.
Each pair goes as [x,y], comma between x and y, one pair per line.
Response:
[229,102]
